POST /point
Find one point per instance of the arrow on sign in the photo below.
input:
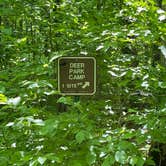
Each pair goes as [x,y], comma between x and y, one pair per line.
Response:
[86,85]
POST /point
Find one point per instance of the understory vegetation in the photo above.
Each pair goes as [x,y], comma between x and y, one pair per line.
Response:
[123,124]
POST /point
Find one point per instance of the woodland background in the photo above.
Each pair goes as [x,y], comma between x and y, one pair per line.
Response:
[124,123]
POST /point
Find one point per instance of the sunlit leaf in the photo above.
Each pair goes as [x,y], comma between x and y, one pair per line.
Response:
[65,100]
[163,50]
[120,156]
[14,101]
[21,41]
[10,124]
[41,160]
[99,47]
[3,99]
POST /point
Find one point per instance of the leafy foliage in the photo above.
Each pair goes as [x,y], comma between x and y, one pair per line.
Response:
[123,123]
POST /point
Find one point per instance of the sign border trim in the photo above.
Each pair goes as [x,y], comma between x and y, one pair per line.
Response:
[74,57]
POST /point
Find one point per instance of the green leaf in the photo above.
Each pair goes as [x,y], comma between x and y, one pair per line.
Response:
[106,162]
[3,161]
[140,162]
[91,158]
[4,75]
[163,50]
[99,47]
[52,156]
[80,137]
[133,160]
[132,110]
[2,89]
[38,122]
[150,162]
[41,160]
[75,163]
[49,127]
[56,56]
[33,163]
[65,100]
[22,40]
[120,156]
[162,85]
[3,99]
[14,101]
[109,160]
[7,31]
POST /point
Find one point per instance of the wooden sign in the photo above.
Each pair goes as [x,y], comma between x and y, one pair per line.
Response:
[77,75]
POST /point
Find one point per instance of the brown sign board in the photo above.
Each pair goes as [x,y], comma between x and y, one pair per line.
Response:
[77,75]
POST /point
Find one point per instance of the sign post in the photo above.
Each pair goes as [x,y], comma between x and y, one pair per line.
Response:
[77,75]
